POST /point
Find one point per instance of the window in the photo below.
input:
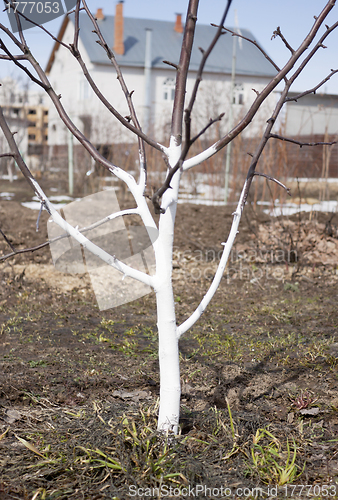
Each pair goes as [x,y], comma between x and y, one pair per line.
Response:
[238,95]
[45,112]
[32,111]
[31,137]
[169,89]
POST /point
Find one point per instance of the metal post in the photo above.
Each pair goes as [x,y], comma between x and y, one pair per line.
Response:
[231,119]
[147,82]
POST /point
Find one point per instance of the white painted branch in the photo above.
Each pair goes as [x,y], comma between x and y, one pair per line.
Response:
[111,260]
[115,215]
[220,270]
[196,160]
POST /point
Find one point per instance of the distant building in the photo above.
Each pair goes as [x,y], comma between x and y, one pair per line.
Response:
[312,119]
[27,116]
[136,41]
[313,114]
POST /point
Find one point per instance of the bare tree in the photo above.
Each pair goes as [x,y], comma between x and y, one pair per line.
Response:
[176,157]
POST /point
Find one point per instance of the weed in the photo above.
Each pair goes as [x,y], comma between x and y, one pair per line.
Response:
[303,400]
[270,462]
[33,363]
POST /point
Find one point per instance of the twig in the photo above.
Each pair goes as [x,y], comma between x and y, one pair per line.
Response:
[180,88]
[211,122]
[12,58]
[25,250]
[4,155]
[314,89]
[221,143]
[7,240]
[38,219]
[234,33]
[128,95]
[18,57]
[278,32]
[182,72]
[301,144]
[312,34]
[274,180]
[42,28]
[171,64]
[83,230]
[205,56]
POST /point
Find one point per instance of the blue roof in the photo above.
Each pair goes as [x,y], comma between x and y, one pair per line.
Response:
[166,44]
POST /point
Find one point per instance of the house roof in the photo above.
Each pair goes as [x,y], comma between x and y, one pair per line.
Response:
[166,44]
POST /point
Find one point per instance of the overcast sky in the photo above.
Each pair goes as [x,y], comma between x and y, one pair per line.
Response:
[295,17]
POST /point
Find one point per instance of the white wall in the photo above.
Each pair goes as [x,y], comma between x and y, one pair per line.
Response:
[311,120]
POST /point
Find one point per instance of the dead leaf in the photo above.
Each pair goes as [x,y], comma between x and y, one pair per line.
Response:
[133,396]
[29,445]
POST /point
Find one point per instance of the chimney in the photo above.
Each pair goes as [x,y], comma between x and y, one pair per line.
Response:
[118,29]
[178,24]
[99,15]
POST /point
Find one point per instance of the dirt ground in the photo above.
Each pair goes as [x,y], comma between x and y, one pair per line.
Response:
[79,386]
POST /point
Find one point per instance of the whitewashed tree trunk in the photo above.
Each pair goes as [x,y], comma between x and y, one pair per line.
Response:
[170,385]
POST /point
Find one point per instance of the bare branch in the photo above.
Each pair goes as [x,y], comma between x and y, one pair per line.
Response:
[301,144]
[18,22]
[19,57]
[182,71]
[72,231]
[236,219]
[210,123]
[171,64]
[4,155]
[12,37]
[274,180]
[66,235]
[137,127]
[38,26]
[73,48]
[7,240]
[278,32]
[319,44]
[77,25]
[24,250]
[314,89]
[12,58]
[234,33]
[205,55]
[176,129]
[217,146]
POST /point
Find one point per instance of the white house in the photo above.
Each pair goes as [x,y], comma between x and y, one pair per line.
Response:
[141,46]
[313,114]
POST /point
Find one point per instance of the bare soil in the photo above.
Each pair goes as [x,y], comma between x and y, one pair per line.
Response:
[263,356]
